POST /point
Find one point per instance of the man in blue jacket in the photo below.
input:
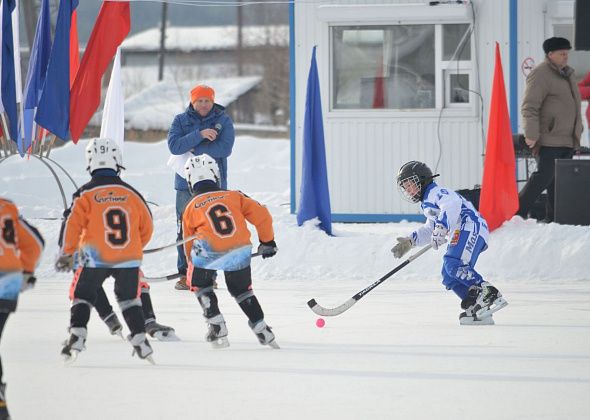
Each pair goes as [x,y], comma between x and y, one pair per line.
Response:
[204,128]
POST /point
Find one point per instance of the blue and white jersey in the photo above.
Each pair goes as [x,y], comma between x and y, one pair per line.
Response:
[446,207]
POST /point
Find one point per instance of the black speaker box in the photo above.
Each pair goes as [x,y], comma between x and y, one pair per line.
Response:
[582,25]
[572,191]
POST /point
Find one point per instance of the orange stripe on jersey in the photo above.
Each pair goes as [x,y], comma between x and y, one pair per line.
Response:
[219,218]
[110,221]
[20,244]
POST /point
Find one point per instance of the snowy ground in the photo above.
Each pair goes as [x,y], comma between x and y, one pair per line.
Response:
[399,353]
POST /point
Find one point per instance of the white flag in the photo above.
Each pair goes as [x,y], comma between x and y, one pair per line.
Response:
[113,114]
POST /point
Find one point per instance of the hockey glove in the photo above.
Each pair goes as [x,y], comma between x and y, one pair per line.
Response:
[64,263]
[439,236]
[29,281]
[402,247]
[267,249]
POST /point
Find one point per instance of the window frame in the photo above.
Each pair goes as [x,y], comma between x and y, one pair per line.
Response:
[442,69]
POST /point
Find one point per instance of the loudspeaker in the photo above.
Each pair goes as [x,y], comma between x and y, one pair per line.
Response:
[582,25]
[572,191]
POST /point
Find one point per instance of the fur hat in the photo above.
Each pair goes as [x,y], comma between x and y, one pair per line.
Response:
[556,43]
[202,91]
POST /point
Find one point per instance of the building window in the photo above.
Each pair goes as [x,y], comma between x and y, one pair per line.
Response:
[395,66]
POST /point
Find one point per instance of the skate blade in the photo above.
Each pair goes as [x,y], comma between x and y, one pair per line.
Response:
[119,334]
[470,321]
[69,360]
[220,343]
[495,307]
[274,344]
[150,359]
[166,336]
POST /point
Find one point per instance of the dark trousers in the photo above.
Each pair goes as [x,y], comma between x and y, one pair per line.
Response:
[182,199]
[542,179]
[3,318]
[126,290]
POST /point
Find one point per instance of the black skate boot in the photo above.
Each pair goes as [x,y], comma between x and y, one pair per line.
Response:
[74,345]
[141,347]
[114,325]
[469,304]
[490,300]
[3,407]
[264,334]
[160,332]
[217,332]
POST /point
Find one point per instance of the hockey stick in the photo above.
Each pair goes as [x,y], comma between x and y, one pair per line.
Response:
[320,310]
[175,244]
[175,275]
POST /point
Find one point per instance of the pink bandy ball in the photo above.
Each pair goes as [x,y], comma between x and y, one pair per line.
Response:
[320,323]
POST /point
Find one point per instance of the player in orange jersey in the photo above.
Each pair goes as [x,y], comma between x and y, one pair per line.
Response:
[20,250]
[105,230]
[217,218]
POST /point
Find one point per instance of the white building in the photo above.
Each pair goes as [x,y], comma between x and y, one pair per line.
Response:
[411,81]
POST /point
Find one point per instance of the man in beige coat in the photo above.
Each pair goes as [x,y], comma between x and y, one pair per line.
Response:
[551,112]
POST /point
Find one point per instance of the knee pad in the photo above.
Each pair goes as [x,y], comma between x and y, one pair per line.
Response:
[208,301]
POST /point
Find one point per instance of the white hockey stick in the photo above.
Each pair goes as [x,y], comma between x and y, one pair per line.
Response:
[175,244]
[320,310]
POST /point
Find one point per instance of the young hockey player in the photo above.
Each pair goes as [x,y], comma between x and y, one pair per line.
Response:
[110,318]
[449,215]
[105,230]
[218,218]
[20,250]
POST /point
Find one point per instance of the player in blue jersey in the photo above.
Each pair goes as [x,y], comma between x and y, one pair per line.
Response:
[451,218]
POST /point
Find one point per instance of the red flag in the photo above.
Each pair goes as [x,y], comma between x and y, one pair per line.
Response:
[111,27]
[74,49]
[499,195]
[379,88]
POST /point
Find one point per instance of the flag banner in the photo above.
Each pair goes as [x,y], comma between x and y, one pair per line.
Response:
[113,114]
[499,194]
[112,26]
[53,111]
[8,82]
[315,195]
[38,62]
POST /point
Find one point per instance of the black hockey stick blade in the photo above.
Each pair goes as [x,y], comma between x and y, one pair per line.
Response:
[322,311]
[159,279]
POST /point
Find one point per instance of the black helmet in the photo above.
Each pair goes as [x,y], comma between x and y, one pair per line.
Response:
[412,179]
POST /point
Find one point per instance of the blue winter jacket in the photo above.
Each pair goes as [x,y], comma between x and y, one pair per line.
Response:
[185,135]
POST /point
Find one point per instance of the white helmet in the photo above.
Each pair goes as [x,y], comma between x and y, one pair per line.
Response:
[201,168]
[103,153]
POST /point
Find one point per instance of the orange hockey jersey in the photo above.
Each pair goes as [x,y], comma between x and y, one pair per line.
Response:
[218,218]
[107,225]
[21,244]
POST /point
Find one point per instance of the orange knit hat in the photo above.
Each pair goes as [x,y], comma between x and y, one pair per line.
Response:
[202,91]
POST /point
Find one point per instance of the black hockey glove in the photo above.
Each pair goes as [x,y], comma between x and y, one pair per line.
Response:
[29,281]
[64,263]
[267,249]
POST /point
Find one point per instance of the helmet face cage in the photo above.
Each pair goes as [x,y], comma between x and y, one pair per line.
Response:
[102,153]
[201,168]
[412,179]
[410,188]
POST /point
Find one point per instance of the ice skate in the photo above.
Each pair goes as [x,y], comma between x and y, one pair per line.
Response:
[74,345]
[488,301]
[217,332]
[181,283]
[3,407]
[465,319]
[264,334]
[160,332]
[114,325]
[141,347]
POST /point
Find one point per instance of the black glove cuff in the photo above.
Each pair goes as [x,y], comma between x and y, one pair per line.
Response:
[269,243]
